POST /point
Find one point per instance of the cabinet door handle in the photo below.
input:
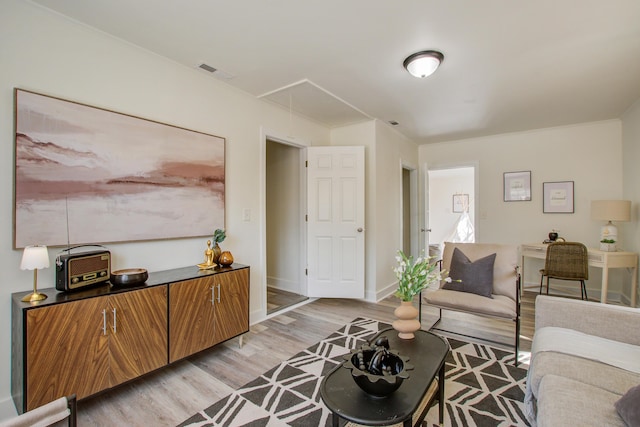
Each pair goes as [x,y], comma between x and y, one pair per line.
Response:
[218,293]
[104,322]
[213,295]
[115,321]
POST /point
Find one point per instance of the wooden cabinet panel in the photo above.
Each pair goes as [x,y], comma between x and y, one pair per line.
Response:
[191,317]
[137,333]
[232,305]
[66,351]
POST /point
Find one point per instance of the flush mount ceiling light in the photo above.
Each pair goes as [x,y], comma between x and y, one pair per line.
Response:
[423,64]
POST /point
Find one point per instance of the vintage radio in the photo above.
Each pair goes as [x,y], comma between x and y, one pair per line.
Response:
[82,270]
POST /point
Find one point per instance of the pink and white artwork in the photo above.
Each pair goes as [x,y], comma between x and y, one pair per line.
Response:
[88,175]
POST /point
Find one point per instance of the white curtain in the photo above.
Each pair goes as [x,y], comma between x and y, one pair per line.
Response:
[463,231]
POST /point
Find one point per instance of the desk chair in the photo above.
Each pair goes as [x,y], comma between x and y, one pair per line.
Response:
[566,261]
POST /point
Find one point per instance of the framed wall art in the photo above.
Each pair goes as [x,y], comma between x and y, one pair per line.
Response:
[460,203]
[557,197]
[517,186]
[89,175]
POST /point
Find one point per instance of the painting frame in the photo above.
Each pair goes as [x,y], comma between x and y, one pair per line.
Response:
[558,197]
[460,203]
[87,175]
[517,186]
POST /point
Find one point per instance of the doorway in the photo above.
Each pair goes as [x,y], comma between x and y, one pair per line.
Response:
[409,209]
[284,224]
[451,206]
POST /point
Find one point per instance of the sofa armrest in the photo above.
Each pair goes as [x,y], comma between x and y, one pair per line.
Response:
[602,320]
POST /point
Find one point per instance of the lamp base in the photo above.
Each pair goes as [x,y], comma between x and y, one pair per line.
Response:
[35,296]
[609,232]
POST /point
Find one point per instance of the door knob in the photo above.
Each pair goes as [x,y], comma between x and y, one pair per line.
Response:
[360,229]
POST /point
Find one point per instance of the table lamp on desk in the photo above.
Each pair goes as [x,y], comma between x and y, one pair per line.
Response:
[610,210]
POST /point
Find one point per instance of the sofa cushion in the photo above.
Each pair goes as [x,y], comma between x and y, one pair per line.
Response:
[606,377]
[628,406]
[471,276]
[499,306]
[567,402]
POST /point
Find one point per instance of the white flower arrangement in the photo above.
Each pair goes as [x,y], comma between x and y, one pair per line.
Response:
[415,276]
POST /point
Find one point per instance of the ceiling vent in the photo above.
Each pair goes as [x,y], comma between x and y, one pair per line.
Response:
[216,72]
[208,68]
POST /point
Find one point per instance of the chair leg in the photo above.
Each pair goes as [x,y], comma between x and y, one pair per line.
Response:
[517,344]
[541,279]
[583,290]
[547,285]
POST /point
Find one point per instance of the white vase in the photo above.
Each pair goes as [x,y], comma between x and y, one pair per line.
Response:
[608,247]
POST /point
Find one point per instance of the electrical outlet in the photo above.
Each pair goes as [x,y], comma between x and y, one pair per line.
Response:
[246,215]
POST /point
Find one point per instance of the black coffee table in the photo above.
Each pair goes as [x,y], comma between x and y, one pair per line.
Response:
[410,403]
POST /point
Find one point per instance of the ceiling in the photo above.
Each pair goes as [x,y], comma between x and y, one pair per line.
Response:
[509,65]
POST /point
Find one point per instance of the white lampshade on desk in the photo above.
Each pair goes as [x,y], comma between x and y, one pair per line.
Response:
[34,258]
[610,210]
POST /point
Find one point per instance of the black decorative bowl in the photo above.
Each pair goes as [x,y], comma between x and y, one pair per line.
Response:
[395,369]
[129,277]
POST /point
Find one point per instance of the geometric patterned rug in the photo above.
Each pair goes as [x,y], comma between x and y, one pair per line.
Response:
[482,387]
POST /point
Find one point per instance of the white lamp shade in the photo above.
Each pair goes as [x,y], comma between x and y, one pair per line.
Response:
[34,257]
[423,64]
[611,210]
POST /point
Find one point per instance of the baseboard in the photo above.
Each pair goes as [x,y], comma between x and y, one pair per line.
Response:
[283,284]
[385,292]
[7,409]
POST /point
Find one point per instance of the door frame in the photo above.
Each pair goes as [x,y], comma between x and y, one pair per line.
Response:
[266,134]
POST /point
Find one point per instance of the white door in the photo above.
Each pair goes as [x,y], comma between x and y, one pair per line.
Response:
[335,222]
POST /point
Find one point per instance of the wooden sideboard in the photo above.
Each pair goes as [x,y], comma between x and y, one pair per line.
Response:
[88,341]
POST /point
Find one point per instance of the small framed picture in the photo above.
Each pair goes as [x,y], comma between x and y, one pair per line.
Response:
[557,197]
[517,186]
[460,203]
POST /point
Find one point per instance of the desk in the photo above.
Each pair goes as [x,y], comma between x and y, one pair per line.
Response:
[597,258]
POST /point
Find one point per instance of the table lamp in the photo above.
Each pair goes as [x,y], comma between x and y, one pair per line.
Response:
[610,210]
[33,258]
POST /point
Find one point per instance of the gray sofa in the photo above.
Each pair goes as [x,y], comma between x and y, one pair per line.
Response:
[585,356]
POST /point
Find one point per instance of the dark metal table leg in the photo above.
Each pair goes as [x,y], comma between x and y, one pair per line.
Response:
[335,418]
[441,395]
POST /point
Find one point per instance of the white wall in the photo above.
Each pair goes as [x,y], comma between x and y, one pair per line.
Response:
[50,54]
[631,189]
[589,154]
[392,152]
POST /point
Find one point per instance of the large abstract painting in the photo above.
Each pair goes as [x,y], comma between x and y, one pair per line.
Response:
[89,175]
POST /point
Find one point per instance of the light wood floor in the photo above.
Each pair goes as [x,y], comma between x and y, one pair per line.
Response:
[277,299]
[171,395]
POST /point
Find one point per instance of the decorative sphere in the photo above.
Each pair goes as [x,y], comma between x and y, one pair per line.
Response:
[225,259]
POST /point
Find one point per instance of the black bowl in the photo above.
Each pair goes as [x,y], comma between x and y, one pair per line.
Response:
[129,277]
[377,385]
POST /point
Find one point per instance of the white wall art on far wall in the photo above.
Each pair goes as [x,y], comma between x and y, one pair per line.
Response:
[558,197]
[517,186]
